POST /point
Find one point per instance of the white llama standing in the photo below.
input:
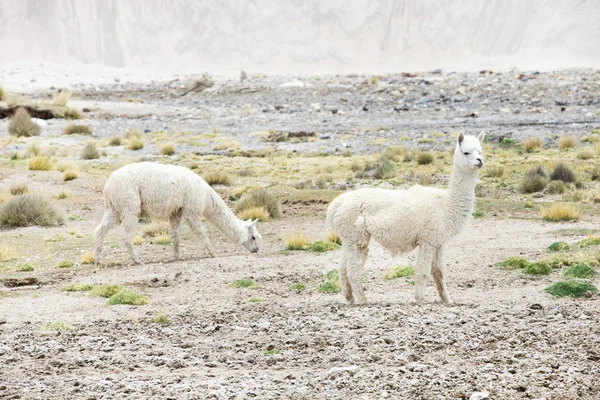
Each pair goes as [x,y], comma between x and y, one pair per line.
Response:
[167,192]
[401,220]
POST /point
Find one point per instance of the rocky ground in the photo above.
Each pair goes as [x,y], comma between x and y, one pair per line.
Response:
[505,337]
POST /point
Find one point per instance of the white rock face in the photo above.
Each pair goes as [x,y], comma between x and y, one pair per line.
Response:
[302,37]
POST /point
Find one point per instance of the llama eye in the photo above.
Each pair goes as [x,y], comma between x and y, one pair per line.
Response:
[466,154]
[253,238]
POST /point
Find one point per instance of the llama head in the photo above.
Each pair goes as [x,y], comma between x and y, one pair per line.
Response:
[252,236]
[468,154]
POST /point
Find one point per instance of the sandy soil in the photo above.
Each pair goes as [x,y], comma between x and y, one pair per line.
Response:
[505,335]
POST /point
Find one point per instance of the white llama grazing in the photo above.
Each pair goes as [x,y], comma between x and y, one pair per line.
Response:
[401,220]
[167,192]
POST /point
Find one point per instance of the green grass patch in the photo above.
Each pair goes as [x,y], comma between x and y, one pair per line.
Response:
[65,264]
[590,241]
[580,271]
[478,213]
[242,283]
[571,289]
[78,287]
[255,300]
[331,282]
[272,352]
[514,263]
[106,291]
[297,287]
[538,268]
[126,296]
[58,326]
[558,246]
[399,271]
[321,246]
[25,267]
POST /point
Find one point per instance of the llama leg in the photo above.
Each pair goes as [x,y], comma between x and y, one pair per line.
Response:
[109,220]
[438,270]
[355,263]
[129,221]
[174,222]
[197,227]
[344,283]
[422,271]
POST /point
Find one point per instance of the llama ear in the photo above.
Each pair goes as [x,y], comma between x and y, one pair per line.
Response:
[481,136]
[253,223]
[460,138]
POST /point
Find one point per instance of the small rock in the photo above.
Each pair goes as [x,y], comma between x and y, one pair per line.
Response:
[536,306]
[479,395]
[351,369]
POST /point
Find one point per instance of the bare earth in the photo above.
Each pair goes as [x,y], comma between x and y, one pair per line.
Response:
[505,335]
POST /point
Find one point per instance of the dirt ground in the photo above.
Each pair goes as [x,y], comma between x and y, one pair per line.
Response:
[504,336]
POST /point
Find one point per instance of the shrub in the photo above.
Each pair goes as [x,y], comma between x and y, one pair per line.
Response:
[18,189]
[73,129]
[217,178]
[71,113]
[65,264]
[424,157]
[106,290]
[259,198]
[534,180]
[532,144]
[567,142]
[572,288]
[297,287]
[558,246]
[70,175]
[39,163]
[61,98]
[126,296]
[88,257]
[135,144]
[582,271]
[321,246]
[514,263]
[259,213]
[330,282]
[384,169]
[25,267]
[167,149]
[563,173]
[90,152]
[585,155]
[114,141]
[478,213]
[494,171]
[538,268]
[78,287]
[242,283]
[560,212]
[29,209]
[399,271]
[333,237]
[21,124]
[296,241]
[556,187]
[7,253]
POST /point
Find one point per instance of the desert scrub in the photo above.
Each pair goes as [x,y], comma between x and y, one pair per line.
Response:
[560,212]
[7,253]
[128,297]
[114,141]
[556,187]
[558,246]
[567,142]
[531,144]
[424,157]
[296,241]
[399,271]
[384,169]
[39,163]
[538,268]
[582,271]
[88,257]
[242,283]
[21,124]
[78,287]
[73,129]
[259,213]
[321,246]
[90,152]
[19,189]
[494,171]
[167,149]
[135,144]
[25,267]
[29,209]
[70,175]
[330,282]
[58,326]
[534,180]
[297,287]
[106,291]
[562,172]
[70,113]
[217,178]
[259,198]
[572,288]
[65,264]
[514,263]
[334,238]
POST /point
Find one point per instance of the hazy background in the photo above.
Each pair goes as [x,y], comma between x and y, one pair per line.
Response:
[302,36]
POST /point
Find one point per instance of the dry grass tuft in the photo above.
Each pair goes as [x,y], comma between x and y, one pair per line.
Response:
[39,163]
[259,198]
[32,150]
[61,98]
[560,212]
[66,166]
[334,238]
[29,209]
[494,171]
[114,141]
[259,213]
[563,173]
[21,124]
[567,142]
[88,257]
[90,152]
[217,178]
[227,144]
[167,149]
[7,252]
[73,129]
[532,144]
[585,155]
[534,180]
[155,228]
[135,144]
[296,241]
[70,175]
[18,189]
[164,238]
[425,157]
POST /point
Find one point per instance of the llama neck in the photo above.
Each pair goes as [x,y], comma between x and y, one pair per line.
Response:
[461,198]
[224,219]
